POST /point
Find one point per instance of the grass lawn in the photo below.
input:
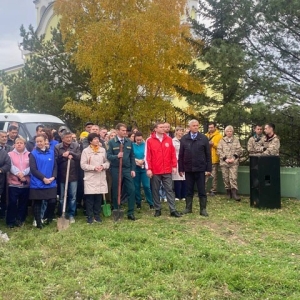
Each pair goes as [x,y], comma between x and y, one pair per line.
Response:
[237,252]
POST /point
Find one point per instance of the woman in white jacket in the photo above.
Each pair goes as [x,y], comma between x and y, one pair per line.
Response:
[94,164]
[179,181]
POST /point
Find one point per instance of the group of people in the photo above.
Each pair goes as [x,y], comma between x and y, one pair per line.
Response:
[166,166]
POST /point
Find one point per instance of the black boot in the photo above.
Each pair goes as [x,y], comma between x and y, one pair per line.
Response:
[235,196]
[203,202]
[229,195]
[188,205]
[157,213]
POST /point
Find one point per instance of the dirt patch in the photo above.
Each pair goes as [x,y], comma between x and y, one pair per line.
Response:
[226,230]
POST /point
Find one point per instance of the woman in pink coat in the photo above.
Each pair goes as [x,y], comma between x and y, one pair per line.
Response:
[94,164]
[18,185]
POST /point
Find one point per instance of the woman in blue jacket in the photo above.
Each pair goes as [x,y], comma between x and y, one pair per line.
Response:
[140,172]
[43,179]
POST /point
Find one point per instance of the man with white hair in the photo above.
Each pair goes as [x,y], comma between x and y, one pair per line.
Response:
[195,162]
[229,150]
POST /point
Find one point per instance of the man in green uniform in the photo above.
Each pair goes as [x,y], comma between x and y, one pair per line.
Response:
[128,167]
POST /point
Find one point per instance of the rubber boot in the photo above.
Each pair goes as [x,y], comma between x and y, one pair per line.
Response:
[235,196]
[229,195]
[188,205]
[202,203]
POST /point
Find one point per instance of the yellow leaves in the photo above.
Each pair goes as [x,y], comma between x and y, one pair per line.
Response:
[128,45]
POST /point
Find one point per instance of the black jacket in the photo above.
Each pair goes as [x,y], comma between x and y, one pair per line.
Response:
[7,148]
[194,154]
[5,165]
[62,162]
[30,145]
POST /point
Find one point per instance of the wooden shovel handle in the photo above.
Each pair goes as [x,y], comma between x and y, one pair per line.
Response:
[120,175]
[66,187]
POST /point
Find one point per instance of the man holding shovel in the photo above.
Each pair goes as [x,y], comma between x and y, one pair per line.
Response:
[63,152]
[120,153]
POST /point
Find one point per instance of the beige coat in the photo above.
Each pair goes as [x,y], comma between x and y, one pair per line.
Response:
[94,182]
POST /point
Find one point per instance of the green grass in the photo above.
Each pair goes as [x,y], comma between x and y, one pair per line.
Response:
[237,253]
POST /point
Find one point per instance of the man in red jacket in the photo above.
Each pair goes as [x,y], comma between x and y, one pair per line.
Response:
[160,162]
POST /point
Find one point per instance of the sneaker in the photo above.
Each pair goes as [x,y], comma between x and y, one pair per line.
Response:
[138,206]
[97,219]
[71,220]
[212,194]
[34,223]
[176,199]
[182,199]
[89,220]
[165,200]
[48,221]
[151,207]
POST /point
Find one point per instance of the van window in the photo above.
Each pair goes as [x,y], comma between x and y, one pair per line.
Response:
[22,132]
[2,125]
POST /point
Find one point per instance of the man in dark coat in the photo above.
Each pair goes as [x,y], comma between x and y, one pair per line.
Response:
[5,165]
[12,134]
[63,152]
[195,162]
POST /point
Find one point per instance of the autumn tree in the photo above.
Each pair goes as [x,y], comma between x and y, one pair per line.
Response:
[134,50]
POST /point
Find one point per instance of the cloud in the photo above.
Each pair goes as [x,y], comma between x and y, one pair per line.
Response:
[10,54]
[13,13]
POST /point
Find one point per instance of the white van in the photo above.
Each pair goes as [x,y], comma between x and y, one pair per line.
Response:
[28,122]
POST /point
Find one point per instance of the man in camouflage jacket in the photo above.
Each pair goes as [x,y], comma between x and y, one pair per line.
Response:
[269,144]
[229,150]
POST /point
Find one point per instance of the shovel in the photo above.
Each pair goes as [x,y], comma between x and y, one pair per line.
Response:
[117,213]
[106,208]
[62,222]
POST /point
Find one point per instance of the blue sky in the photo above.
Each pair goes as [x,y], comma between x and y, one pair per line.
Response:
[14,13]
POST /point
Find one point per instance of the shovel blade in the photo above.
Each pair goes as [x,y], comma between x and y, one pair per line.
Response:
[118,214]
[106,210]
[62,223]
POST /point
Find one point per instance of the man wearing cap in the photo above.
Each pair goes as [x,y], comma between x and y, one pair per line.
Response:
[85,133]
[30,145]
